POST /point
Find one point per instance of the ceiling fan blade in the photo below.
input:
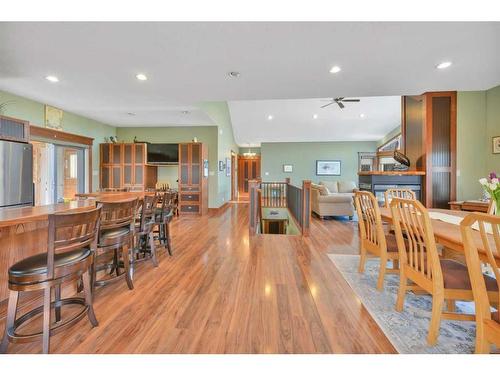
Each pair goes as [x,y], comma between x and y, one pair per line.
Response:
[326,105]
[341,105]
[339,99]
[351,100]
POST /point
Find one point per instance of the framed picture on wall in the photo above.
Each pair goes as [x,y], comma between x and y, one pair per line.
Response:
[287,168]
[228,167]
[53,117]
[328,167]
[221,165]
[496,145]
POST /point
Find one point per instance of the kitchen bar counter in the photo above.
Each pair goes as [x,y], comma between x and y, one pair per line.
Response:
[392,173]
[23,231]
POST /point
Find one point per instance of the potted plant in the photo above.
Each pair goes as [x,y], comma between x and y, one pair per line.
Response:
[491,186]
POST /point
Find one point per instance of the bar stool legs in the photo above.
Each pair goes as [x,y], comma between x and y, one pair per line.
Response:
[11,318]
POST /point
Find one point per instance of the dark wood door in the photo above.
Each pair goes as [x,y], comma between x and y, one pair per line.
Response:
[248,169]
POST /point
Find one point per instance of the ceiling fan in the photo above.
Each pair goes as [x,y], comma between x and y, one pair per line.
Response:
[340,101]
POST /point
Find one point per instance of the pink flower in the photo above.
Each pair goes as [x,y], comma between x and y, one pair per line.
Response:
[492,175]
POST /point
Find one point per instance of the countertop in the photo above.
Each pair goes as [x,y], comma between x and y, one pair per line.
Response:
[392,173]
[14,216]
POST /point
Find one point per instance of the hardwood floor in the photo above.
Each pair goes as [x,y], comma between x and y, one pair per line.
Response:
[223,292]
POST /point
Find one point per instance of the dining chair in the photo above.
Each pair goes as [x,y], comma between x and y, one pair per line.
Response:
[492,208]
[116,239]
[389,194]
[481,238]
[443,279]
[71,245]
[144,226]
[373,240]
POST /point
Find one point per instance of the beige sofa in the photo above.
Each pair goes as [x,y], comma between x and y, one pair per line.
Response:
[333,198]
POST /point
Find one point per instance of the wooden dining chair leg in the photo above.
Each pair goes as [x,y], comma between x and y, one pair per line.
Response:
[126,263]
[46,320]
[381,273]
[482,345]
[57,301]
[153,249]
[401,292]
[11,318]
[450,305]
[362,259]
[437,307]
[89,297]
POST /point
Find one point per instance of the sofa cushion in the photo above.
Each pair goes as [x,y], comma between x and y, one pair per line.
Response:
[346,186]
[336,198]
[323,190]
[330,185]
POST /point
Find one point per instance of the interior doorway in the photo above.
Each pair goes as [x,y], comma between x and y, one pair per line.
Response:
[248,169]
[58,172]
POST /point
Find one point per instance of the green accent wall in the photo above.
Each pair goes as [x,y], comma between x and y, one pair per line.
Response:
[471,135]
[303,156]
[478,120]
[219,113]
[34,112]
[492,127]
[179,134]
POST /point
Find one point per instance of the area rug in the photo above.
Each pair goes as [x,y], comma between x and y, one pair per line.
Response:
[407,331]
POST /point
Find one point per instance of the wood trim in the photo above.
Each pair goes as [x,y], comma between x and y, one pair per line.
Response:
[403,124]
[217,210]
[48,133]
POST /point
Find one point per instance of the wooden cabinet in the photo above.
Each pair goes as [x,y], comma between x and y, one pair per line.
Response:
[193,185]
[429,131]
[12,129]
[124,165]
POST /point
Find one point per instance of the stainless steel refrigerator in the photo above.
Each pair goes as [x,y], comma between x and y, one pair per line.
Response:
[16,174]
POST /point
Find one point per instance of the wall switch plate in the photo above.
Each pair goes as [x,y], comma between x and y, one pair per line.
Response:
[458,172]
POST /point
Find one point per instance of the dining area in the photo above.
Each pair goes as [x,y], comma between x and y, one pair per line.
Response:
[440,256]
[55,257]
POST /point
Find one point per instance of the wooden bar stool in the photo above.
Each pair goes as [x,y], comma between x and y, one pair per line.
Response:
[144,236]
[71,245]
[116,238]
[163,216]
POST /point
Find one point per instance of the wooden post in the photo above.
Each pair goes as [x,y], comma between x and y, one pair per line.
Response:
[253,186]
[306,207]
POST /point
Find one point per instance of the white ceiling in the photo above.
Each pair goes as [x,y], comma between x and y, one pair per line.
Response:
[188,63]
[293,120]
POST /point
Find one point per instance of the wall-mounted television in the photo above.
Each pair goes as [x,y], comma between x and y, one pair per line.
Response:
[163,153]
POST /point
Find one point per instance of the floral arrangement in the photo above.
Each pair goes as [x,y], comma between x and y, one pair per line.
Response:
[491,185]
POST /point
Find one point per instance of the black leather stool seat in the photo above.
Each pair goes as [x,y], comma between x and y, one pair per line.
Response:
[34,268]
[114,233]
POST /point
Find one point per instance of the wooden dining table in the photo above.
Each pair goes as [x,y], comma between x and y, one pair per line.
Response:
[447,234]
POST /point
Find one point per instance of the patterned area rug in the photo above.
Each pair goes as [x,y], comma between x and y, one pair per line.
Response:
[407,330]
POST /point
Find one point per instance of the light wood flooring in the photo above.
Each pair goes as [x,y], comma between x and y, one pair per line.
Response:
[224,292]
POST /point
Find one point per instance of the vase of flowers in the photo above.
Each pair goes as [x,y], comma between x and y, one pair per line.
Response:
[491,186]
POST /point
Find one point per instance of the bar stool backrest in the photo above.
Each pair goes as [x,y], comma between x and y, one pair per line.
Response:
[118,214]
[72,231]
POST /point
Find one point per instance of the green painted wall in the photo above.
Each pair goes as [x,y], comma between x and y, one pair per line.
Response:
[178,134]
[303,156]
[492,127]
[242,150]
[219,113]
[471,135]
[34,112]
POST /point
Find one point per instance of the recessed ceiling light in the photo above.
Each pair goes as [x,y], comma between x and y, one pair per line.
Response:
[335,69]
[131,113]
[233,74]
[52,78]
[444,65]
[141,77]
[185,112]
[270,117]
[315,116]
[362,115]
